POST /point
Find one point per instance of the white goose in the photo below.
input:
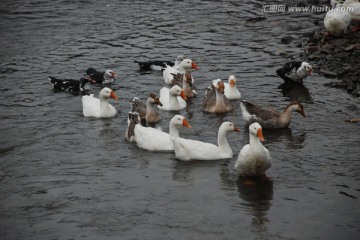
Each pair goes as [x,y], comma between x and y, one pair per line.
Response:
[187,149]
[172,99]
[185,66]
[231,91]
[254,159]
[99,107]
[336,21]
[354,9]
[152,139]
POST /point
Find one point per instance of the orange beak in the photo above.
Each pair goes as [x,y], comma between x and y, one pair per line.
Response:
[185,123]
[232,83]
[182,94]
[310,72]
[113,95]
[194,66]
[113,74]
[236,129]
[260,135]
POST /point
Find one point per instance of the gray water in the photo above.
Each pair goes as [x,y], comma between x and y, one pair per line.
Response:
[63,176]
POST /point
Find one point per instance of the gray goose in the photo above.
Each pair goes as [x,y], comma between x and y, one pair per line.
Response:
[146,110]
[269,117]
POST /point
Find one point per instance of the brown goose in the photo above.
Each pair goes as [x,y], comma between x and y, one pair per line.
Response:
[215,101]
[269,117]
[146,110]
[185,81]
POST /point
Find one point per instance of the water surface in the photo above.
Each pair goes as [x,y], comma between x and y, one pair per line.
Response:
[63,176]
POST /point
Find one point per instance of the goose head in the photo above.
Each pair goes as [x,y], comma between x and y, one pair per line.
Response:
[232,81]
[110,74]
[307,67]
[107,93]
[188,65]
[135,102]
[220,86]
[298,107]
[154,99]
[177,91]
[229,126]
[179,59]
[256,130]
[179,121]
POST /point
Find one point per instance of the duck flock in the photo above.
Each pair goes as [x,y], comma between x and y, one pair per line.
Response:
[219,98]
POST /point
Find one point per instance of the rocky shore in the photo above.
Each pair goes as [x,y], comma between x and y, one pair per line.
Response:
[337,58]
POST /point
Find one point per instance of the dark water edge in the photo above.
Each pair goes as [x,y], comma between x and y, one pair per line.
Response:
[63,176]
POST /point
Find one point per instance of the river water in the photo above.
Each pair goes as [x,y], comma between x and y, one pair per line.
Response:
[63,176]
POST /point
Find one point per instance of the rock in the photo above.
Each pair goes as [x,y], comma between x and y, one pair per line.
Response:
[353,120]
[287,39]
[350,48]
[356,92]
[312,49]
[328,73]
[349,85]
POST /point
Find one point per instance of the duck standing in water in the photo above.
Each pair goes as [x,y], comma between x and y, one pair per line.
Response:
[231,91]
[254,159]
[269,117]
[108,76]
[152,139]
[295,71]
[187,149]
[99,107]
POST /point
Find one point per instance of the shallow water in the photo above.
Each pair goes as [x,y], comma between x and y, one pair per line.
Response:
[63,176]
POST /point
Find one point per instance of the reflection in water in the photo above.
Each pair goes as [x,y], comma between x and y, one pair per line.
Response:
[107,131]
[181,171]
[293,140]
[296,92]
[258,201]
[257,198]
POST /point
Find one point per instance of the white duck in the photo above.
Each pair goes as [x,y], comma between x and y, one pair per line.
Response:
[187,149]
[152,139]
[336,21]
[214,100]
[99,107]
[353,6]
[295,71]
[172,99]
[254,159]
[231,91]
[185,66]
